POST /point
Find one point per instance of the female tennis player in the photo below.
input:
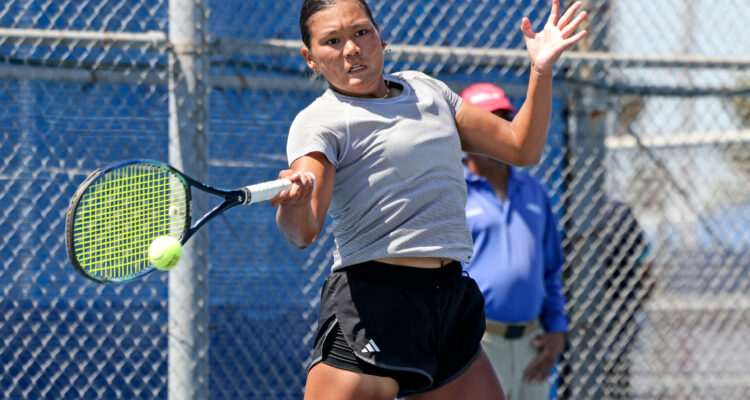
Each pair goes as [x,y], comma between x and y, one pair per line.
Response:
[397,316]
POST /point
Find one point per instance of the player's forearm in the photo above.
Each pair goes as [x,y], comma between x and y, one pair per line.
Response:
[531,124]
[299,224]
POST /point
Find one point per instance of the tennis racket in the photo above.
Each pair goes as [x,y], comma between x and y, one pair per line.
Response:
[120,209]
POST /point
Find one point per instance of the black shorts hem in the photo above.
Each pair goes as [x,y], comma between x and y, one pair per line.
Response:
[319,357]
[397,369]
[444,381]
[365,366]
[386,369]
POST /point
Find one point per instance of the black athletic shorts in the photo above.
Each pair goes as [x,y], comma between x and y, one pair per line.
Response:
[420,326]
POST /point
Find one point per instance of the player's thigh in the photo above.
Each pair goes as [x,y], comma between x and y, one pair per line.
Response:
[478,382]
[325,382]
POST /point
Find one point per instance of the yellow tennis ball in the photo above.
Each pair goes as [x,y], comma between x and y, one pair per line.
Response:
[164,252]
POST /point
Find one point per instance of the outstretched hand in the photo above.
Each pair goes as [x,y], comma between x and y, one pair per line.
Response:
[558,34]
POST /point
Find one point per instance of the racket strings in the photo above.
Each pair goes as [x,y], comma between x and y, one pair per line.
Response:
[105,215]
[129,224]
[121,213]
[115,212]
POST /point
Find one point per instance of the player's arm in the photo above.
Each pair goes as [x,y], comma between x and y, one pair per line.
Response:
[302,209]
[521,141]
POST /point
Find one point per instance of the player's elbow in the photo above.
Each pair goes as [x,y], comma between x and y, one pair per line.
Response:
[300,226]
[303,240]
[300,235]
[523,158]
[528,159]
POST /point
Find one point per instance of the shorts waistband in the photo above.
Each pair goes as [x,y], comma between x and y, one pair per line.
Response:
[403,276]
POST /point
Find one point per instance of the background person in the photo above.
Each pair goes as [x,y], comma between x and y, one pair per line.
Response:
[517,263]
[627,266]
[615,251]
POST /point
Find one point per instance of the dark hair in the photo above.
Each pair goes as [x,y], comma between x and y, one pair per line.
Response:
[311,7]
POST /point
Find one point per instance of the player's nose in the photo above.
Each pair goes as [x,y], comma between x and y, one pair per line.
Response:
[351,48]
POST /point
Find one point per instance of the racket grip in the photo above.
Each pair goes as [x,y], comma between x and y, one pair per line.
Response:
[265,190]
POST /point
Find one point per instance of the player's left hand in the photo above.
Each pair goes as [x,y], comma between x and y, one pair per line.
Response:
[550,346]
[558,34]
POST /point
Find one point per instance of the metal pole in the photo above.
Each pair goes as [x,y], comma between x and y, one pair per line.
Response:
[188,283]
[498,57]
[65,37]
[587,111]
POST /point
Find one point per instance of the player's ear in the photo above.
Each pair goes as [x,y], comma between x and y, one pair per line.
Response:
[383,44]
[309,58]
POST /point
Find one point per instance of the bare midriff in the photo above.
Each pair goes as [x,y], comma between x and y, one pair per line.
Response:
[418,262]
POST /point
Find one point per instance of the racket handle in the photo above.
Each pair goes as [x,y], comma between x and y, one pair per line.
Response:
[267,190]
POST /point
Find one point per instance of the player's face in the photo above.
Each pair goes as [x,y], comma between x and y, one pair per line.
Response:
[346,48]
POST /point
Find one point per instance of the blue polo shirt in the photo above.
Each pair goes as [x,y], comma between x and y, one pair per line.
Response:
[518,254]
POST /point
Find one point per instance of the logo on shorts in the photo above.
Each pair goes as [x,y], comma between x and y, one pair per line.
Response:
[371,347]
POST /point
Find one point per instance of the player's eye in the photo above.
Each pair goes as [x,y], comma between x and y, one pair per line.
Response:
[361,32]
[331,42]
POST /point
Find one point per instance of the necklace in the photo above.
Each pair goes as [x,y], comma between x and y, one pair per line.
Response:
[388,89]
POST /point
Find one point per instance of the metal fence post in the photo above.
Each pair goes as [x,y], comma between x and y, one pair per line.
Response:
[587,111]
[188,284]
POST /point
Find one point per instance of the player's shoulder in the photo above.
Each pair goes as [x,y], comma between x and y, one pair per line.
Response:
[303,118]
[322,102]
[413,76]
[322,109]
[425,84]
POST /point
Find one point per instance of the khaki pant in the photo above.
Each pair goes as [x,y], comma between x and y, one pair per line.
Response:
[510,357]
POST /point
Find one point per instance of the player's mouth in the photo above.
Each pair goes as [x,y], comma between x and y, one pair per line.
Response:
[357,68]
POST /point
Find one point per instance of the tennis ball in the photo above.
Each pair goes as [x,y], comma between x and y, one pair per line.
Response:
[164,252]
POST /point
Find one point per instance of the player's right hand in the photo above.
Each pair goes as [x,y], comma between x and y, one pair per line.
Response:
[300,193]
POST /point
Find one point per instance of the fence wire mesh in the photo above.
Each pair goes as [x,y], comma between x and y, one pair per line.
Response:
[647,163]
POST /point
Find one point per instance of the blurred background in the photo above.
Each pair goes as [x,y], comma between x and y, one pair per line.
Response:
[647,163]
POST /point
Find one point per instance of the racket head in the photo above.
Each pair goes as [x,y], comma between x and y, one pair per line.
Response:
[118,211]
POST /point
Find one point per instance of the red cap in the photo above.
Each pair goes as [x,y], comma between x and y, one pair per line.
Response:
[487,96]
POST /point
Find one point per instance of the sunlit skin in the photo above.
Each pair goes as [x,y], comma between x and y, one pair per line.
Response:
[347,49]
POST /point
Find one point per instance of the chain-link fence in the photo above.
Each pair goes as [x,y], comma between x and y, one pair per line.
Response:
[648,165]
